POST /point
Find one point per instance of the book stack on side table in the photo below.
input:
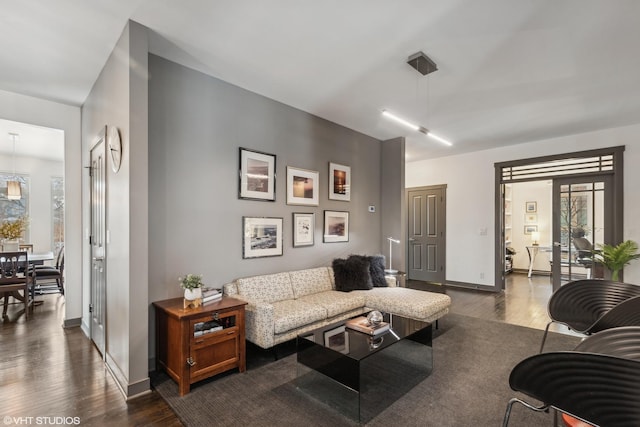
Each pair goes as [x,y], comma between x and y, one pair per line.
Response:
[210,295]
[361,324]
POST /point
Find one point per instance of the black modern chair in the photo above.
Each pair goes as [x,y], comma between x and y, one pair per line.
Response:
[45,273]
[592,305]
[584,256]
[597,383]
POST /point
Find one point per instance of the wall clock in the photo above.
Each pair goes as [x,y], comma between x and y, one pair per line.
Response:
[115,148]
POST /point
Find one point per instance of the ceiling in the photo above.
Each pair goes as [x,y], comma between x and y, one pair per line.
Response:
[510,71]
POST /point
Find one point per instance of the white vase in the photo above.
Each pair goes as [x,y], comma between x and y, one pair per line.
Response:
[192,294]
[11,245]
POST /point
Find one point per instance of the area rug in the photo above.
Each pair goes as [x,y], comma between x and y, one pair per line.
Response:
[469,385]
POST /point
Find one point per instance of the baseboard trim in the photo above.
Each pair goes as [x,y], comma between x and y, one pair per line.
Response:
[72,323]
[128,390]
[474,286]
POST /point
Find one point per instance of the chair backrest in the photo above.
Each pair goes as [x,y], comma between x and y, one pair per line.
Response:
[60,258]
[13,266]
[622,342]
[583,302]
[598,388]
[584,246]
[626,313]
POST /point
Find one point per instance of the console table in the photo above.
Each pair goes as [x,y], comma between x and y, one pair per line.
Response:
[197,343]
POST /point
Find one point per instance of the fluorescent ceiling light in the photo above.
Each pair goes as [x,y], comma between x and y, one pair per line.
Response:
[438,138]
[415,127]
[400,120]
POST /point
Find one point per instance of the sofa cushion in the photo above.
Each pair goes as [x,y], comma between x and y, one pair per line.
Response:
[335,302]
[293,314]
[376,270]
[352,273]
[266,288]
[310,281]
[406,302]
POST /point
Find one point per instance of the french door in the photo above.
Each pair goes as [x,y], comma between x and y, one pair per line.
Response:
[582,220]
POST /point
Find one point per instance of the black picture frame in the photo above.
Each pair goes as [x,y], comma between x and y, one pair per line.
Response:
[257,175]
[261,237]
[336,226]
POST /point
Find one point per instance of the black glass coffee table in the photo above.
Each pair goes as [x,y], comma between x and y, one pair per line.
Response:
[360,375]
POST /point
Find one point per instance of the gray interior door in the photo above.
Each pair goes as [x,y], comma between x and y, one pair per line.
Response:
[98,271]
[426,234]
[582,220]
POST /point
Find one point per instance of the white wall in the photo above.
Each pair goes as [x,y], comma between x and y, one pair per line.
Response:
[50,114]
[539,192]
[470,196]
[40,172]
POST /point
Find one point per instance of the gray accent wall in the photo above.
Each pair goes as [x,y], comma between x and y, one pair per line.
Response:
[394,205]
[197,124]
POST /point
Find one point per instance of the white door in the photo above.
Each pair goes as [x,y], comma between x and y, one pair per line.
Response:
[98,216]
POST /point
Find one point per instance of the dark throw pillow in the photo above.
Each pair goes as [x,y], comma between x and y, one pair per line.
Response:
[352,273]
[376,270]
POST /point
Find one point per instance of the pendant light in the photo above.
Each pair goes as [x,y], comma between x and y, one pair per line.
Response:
[424,65]
[14,191]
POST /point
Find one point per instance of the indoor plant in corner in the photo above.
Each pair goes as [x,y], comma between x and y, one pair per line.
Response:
[616,257]
[192,285]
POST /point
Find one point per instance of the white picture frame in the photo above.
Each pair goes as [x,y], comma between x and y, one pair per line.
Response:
[304,225]
[339,182]
[302,187]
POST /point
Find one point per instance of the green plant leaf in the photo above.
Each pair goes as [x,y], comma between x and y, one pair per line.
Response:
[615,258]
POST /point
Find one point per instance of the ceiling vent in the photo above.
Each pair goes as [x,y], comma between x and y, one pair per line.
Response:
[422,63]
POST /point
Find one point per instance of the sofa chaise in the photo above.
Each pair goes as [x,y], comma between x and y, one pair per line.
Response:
[282,305]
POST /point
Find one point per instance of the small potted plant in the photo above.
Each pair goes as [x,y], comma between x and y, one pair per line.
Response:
[192,285]
[616,257]
[11,231]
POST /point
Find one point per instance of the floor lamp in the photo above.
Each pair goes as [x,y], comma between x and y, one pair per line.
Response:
[391,240]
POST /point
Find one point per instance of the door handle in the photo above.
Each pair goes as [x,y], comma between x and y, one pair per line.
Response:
[557,244]
[411,239]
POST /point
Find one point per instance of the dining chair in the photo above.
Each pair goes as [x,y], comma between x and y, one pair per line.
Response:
[15,277]
[45,273]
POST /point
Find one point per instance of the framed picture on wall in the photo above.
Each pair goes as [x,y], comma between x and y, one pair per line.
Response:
[261,237]
[257,175]
[528,229]
[336,226]
[302,187]
[339,182]
[531,218]
[531,207]
[304,225]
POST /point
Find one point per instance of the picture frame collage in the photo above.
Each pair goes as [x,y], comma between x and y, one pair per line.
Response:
[263,236]
[530,218]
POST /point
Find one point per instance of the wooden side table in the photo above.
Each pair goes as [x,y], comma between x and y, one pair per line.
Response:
[198,343]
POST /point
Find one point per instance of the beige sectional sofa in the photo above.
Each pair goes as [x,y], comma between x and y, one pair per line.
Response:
[283,305]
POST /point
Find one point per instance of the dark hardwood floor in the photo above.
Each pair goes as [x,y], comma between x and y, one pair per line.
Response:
[48,371]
